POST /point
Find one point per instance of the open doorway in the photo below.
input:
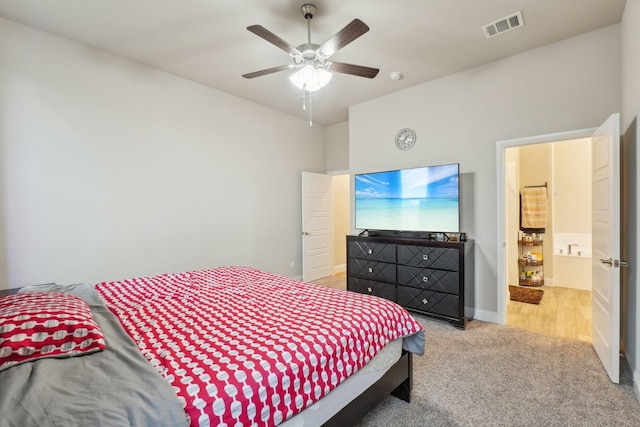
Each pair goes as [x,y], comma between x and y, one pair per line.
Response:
[508,219]
[553,261]
[608,198]
[341,226]
[340,211]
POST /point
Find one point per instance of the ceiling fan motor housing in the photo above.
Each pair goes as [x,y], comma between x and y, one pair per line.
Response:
[308,10]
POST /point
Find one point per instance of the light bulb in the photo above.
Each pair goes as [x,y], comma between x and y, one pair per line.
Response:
[310,78]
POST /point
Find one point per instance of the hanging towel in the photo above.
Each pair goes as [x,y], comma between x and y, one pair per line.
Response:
[533,209]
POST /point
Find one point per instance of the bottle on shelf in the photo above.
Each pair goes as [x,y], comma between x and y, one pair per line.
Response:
[530,260]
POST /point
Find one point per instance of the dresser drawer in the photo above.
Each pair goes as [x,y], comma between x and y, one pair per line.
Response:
[375,251]
[372,270]
[429,279]
[433,257]
[428,301]
[370,287]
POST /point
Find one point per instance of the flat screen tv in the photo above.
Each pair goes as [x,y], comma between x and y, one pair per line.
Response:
[424,199]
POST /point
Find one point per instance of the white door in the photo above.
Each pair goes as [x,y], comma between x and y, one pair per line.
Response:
[317,241]
[605,176]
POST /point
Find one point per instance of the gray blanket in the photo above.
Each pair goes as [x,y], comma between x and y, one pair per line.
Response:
[115,387]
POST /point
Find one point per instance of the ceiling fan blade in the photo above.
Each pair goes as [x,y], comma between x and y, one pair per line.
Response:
[356,70]
[266,71]
[260,31]
[352,31]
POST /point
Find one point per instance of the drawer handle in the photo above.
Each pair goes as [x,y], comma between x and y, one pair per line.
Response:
[425,279]
[425,301]
[370,270]
[425,257]
[370,251]
[370,290]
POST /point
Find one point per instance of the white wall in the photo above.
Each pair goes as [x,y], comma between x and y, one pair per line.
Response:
[573,84]
[341,225]
[630,41]
[110,169]
[337,141]
[571,199]
[571,189]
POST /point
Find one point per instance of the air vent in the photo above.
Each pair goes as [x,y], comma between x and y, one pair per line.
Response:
[503,25]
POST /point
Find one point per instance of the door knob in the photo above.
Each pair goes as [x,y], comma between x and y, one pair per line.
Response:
[614,262]
[305,233]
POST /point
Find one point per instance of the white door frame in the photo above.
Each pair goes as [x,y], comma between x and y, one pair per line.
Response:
[501,189]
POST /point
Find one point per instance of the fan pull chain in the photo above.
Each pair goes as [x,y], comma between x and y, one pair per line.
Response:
[304,105]
[310,111]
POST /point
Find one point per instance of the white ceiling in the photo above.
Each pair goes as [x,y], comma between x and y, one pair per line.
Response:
[207,41]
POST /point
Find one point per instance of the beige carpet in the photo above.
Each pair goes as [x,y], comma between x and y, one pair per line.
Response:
[494,375]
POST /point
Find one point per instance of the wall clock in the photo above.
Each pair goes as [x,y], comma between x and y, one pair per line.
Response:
[405,139]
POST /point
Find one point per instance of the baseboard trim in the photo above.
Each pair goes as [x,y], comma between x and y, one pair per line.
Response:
[486,316]
[339,268]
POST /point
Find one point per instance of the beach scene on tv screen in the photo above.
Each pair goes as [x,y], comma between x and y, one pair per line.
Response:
[420,199]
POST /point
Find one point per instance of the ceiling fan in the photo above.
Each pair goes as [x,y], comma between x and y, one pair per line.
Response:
[312,59]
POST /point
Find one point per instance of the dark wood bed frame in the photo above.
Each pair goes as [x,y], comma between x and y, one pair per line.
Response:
[398,382]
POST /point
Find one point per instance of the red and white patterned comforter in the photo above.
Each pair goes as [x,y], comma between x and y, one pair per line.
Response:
[245,347]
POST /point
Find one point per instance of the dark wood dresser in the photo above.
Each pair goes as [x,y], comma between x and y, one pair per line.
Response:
[427,277]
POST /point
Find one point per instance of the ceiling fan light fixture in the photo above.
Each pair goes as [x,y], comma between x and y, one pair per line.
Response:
[310,78]
[310,60]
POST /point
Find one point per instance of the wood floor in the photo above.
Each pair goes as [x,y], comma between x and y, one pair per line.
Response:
[338,280]
[563,312]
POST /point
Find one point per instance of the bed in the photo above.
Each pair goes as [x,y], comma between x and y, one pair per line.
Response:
[226,346]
